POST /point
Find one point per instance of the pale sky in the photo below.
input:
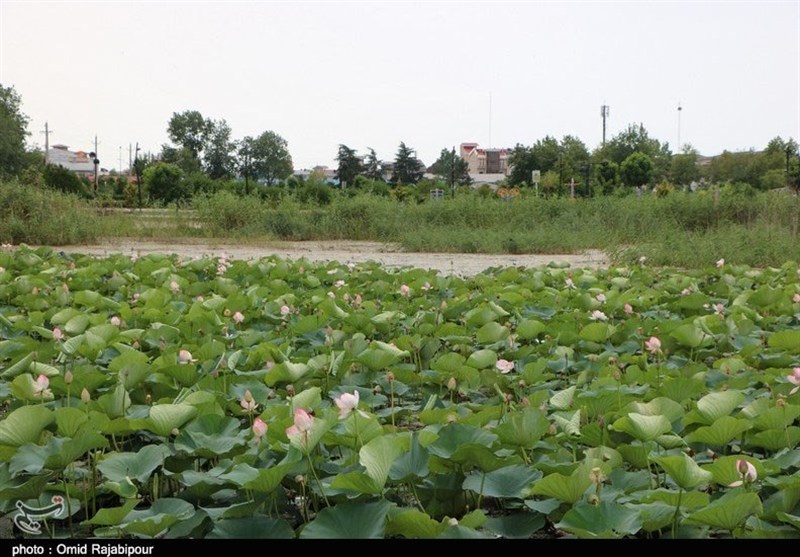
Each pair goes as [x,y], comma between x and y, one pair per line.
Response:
[370,74]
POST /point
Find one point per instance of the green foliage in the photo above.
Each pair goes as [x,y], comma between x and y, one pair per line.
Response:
[60,179]
[13,131]
[32,215]
[636,170]
[165,183]
[451,168]
[270,158]
[407,167]
[349,166]
[589,434]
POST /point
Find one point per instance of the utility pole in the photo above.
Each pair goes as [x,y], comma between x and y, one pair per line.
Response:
[47,131]
[138,177]
[130,160]
[604,114]
[96,162]
[679,125]
[119,170]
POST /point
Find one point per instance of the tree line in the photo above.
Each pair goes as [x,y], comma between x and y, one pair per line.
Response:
[203,157]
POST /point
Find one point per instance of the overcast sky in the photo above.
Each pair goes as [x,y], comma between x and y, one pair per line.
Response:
[370,74]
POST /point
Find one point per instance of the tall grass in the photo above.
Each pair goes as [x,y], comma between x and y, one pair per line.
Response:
[35,216]
[680,229]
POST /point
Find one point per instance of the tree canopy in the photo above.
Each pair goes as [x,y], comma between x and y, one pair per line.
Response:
[407,167]
[13,131]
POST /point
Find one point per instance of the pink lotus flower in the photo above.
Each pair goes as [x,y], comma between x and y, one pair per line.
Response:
[116,321]
[347,403]
[199,299]
[720,263]
[357,301]
[746,471]
[719,309]
[346,297]
[247,402]
[405,290]
[285,310]
[642,259]
[57,334]
[135,297]
[42,382]
[794,378]
[185,357]
[34,291]
[331,295]
[686,291]
[628,309]
[174,286]
[338,283]
[568,283]
[601,297]
[238,317]
[796,298]
[426,286]
[303,421]
[259,428]
[653,345]
[504,366]
[598,315]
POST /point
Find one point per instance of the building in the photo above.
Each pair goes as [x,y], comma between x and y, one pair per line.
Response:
[484,161]
[78,162]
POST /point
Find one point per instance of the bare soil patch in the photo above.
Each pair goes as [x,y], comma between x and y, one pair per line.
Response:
[343,251]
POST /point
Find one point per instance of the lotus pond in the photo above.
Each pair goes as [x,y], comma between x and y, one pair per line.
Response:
[275,398]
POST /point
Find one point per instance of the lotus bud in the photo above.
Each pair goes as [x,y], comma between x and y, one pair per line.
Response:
[290,390]
[521,384]
[148,399]
[175,431]
[68,378]
[377,389]
[452,521]
[85,396]
[553,429]
[451,418]
[389,376]
[594,499]
[299,478]
[451,384]
[525,402]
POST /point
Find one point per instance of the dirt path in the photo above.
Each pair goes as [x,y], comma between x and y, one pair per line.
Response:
[342,251]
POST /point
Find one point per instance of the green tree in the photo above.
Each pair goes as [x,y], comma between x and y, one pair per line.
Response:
[271,159]
[574,157]
[59,178]
[451,168]
[373,166]
[218,151]
[245,151]
[407,167]
[607,176]
[165,182]
[635,139]
[349,166]
[13,131]
[636,170]
[522,163]
[190,130]
[684,169]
